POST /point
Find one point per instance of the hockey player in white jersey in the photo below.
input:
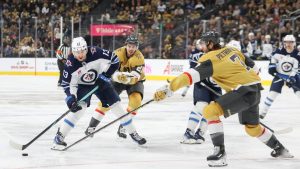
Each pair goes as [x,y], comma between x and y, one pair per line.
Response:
[284,66]
[86,68]
[197,125]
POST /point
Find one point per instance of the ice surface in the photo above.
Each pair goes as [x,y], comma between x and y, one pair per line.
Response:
[28,104]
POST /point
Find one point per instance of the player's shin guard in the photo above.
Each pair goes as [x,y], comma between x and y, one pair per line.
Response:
[95,120]
[268,103]
[68,123]
[218,158]
[268,138]
[126,122]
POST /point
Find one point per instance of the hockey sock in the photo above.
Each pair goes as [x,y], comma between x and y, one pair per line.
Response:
[215,128]
[126,121]
[71,120]
[203,126]
[268,138]
[193,121]
[195,116]
[268,101]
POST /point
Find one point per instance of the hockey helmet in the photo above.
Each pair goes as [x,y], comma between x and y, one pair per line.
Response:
[79,44]
[211,36]
[132,40]
[289,38]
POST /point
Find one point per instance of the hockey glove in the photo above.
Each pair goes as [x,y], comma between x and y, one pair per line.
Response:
[103,77]
[272,69]
[123,77]
[162,93]
[291,81]
[72,103]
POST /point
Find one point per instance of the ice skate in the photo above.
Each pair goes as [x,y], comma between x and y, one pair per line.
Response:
[59,143]
[188,137]
[199,136]
[90,130]
[140,140]
[281,152]
[218,158]
[122,132]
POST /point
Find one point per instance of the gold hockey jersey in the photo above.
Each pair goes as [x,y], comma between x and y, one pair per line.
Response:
[228,67]
[135,62]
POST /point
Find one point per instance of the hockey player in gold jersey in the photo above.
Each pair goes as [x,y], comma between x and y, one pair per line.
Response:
[130,77]
[233,72]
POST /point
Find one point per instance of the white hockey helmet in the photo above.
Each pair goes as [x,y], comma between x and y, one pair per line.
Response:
[289,42]
[79,44]
[289,38]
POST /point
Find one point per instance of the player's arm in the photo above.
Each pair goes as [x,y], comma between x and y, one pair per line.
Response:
[132,77]
[191,76]
[69,79]
[273,63]
[250,63]
[113,65]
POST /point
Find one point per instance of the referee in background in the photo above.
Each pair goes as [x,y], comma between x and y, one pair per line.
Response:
[62,54]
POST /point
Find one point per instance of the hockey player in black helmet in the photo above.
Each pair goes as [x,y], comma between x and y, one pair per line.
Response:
[233,72]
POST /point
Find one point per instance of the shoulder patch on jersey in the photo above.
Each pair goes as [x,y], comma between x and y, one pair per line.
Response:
[93,50]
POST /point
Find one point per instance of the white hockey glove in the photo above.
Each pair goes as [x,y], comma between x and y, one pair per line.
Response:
[123,77]
[162,93]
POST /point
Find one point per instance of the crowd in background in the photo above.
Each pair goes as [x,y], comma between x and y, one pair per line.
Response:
[256,24]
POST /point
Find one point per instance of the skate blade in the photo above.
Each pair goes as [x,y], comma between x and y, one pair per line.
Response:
[56,147]
[217,163]
[191,141]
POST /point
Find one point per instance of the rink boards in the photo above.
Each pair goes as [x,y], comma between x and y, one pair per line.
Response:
[156,69]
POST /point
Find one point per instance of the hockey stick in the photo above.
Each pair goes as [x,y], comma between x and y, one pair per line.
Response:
[284,78]
[282,131]
[184,92]
[24,146]
[103,127]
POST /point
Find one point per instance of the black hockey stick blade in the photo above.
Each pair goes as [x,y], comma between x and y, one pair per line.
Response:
[103,127]
[18,146]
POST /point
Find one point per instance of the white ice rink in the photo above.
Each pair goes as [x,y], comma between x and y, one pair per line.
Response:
[28,104]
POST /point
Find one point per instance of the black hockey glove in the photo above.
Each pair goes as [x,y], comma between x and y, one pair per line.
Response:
[72,103]
[272,69]
[291,81]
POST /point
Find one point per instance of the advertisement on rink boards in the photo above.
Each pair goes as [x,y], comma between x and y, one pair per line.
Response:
[155,69]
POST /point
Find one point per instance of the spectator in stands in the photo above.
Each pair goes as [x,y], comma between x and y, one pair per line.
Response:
[267,48]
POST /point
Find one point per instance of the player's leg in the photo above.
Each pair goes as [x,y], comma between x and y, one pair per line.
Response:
[110,97]
[252,127]
[211,113]
[227,105]
[199,134]
[201,97]
[71,119]
[275,90]
[135,96]
[96,118]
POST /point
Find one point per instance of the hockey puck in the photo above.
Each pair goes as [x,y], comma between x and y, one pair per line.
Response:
[24,154]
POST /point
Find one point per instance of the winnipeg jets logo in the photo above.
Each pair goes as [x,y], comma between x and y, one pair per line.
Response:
[90,76]
[286,66]
[68,63]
